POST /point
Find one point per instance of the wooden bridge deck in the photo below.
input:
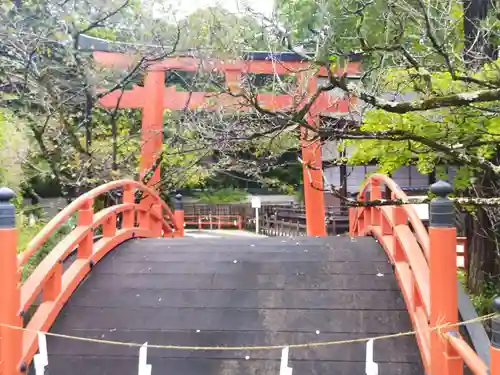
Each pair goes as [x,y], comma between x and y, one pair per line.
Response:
[236,292]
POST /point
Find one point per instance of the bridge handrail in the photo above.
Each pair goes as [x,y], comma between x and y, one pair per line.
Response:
[42,236]
[412,256]
[471,359]
[51,283]
[398,193]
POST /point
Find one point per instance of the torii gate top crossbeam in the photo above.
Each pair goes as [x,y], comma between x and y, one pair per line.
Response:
[267,63]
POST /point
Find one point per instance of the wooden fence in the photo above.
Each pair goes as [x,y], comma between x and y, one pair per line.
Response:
[274,219]
[282,219]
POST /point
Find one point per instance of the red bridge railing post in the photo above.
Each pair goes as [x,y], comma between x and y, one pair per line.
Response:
[495,340]
[85,218]
[375,194]
[179,213]
[443,278]
[128,216]
[10,295]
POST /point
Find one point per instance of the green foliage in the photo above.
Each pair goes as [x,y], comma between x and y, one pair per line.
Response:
[271,83]
[225,195]
[299,195]
[219,32]
[27,233]
[276,143]
[341,21]
[183,157]
[462,129]
[13,149]
[482,301]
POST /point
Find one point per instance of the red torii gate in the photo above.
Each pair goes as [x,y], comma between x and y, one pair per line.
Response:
[154,98]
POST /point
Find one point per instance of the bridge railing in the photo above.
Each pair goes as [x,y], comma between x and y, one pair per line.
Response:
[424,263]
[217,221]
[54,279]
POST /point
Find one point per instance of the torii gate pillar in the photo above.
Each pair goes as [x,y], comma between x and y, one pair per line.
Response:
[313,186]
[314,196]
[152,125]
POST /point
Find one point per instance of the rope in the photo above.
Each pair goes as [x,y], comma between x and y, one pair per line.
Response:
[253,348]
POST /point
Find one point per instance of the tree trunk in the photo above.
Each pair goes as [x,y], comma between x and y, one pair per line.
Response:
[482,226]
[482,229]
[483,241]
[477,48]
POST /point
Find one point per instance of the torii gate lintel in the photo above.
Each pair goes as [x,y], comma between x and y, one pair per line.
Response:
[154,98]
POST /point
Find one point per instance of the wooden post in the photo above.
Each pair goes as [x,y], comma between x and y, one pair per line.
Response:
[443,274]
[10,295]
[52,287]
[85,219]
[495,340]
[375,194]
[179,214]
[109,227]
[128,216]
[453,362]
[156,224]
[233,79]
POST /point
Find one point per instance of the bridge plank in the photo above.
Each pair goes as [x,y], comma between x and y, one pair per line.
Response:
[101,365]
[246,299]
[345,352]
[221,281]
[369,321]
[198,267]
[164,290]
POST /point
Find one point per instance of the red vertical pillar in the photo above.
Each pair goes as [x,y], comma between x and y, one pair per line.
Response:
[10,295]
[495,340]
[313,175]
[152,124]
[179,215]
[233,79]
[443,273]
[151,134]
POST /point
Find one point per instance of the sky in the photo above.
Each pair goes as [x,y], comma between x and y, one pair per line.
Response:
[183,8]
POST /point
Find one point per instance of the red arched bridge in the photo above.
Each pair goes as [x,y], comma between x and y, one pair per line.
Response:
[228,305]
[383,299]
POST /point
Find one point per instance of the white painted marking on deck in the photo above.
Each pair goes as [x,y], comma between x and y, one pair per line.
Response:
[371,367]
[201,235]
[284,369]
[41,360]
[144,368]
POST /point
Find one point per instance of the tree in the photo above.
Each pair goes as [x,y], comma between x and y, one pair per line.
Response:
[218,32]
[431,97]
[338,27]
[429,94]
[52,86]
[52,89]
[13,149]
